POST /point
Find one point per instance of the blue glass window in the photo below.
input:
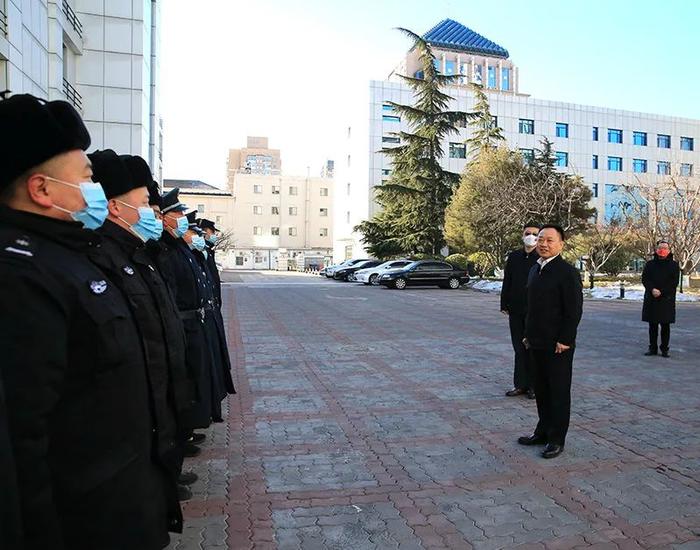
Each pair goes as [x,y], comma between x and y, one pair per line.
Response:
[419,75]
[528,155]
[594,190]
[639,138]
[391,139]
[614,136]
[663,168]
[595,162]
[387,107]
[437,63]
[526,126]
[562,159]
[595,133]
[449,67]
[639,166]
[458,151]
[386,172]
[687,143]
[494,121]
[686,169]
[663,141]
[505,79]
[391,118]
[615,164]
[492,76]
[479,75]
[562,130]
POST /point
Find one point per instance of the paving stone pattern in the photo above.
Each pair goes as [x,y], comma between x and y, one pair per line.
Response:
[368,418]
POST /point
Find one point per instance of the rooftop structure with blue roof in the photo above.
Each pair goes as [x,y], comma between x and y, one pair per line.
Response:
[451,35]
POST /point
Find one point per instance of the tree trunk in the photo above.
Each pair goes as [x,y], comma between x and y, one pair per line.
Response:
[681,285]
[591,279]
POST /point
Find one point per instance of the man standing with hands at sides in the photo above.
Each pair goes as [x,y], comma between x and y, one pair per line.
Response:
[660,279]
[554,308]
[518,267]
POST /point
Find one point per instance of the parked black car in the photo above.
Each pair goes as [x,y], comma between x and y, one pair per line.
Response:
[425,273]
[345,272]
[330,270]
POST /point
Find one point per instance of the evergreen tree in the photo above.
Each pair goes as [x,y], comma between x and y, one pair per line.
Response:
[415,196]
[485,133]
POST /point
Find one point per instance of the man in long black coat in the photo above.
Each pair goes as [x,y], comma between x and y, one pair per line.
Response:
[72,362]
[660,279]
[10,521]
[554,308]
[513,302]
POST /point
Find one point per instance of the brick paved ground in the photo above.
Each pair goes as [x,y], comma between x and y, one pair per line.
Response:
[370,418]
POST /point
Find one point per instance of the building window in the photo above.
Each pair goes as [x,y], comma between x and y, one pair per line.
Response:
[390,139]
[639,138]
[275,231]
[562,130]
[505,78]
[387,107]
[323,232]
[293,190]
[449,67]
[293,210]
[492,76]
[479,75]
[526,126]
[458,151]
[494,121]
[386,172]
[687,144]
[595,162]
[257,210]
[686,169]
[200,208]
[391,118]
[239,260]
[663,168]
[219,220]
[594,190]
[528,155]
[323,212]
[639,166]
[275,189]
[257,230]
[663,141]
[562,159]
[347,217]
[615,164]
[614,136]
[595,133]
[324,191]
[292,231]
[275,211]
[348,188]
[257,189]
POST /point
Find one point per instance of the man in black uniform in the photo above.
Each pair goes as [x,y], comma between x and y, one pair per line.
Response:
[72,362]
[129,225]
[554,308]
[518,266]
[10,523]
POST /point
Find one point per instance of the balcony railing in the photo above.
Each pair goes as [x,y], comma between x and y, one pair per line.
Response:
[72,18]
[3,19]
[72,95]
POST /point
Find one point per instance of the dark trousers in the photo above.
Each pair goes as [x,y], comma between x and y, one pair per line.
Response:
[521,372]
[551,375]
[654,336]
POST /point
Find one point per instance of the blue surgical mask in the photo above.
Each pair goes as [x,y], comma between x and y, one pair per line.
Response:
[198,242]
[213,238]
[147,226]
[159,229]
[95,212]
[182,226]
[206,253]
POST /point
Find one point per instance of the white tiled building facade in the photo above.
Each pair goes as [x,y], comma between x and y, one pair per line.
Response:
[101,55]
[607,147]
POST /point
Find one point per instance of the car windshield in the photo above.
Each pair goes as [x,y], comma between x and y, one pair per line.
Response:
[362,263]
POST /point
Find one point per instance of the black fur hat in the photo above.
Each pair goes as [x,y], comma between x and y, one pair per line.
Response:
[109,170]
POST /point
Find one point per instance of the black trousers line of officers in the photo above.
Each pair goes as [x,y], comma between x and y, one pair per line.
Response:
[113,342]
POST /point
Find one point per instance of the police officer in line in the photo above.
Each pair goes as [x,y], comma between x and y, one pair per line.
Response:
[179,267]
[220,365]
[73,370]
[129,225]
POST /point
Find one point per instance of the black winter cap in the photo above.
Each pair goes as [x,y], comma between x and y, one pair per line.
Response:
[34,131]
[109,170]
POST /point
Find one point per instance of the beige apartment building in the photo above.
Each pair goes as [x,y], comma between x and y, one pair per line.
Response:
[276,222]
[255,158]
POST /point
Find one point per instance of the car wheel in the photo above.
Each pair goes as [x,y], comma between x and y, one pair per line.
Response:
[373,279]
[453,283]
[400,283]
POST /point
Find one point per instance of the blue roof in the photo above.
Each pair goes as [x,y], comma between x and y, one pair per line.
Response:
[452,35]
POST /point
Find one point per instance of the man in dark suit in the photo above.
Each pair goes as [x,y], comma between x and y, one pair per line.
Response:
[554,308]
[518,267]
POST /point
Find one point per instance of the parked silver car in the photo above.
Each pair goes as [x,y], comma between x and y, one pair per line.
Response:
[370,275]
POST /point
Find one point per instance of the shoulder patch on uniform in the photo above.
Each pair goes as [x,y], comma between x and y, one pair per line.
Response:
[128,270]
[98,287]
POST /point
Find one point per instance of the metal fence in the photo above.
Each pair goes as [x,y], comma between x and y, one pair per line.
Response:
[72,95]
[3,18]
[72,18]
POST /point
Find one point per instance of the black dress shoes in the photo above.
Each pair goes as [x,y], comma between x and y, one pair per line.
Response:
[664,353]
[533,439]
[651,352]
[183,493]
[552,450]
[187,478]
[189,450]
[197,438]
[516,391]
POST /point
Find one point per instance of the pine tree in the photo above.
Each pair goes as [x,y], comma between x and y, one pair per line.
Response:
[485,133]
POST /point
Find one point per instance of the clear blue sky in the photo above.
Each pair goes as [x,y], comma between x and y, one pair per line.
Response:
[290,69]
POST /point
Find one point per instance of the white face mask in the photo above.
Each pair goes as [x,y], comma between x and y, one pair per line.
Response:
[530,240]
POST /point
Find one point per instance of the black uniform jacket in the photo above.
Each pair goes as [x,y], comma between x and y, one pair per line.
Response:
[77,395]
[554,305]
[514,288]
[662,275]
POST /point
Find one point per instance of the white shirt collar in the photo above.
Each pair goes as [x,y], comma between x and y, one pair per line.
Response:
[544,262]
